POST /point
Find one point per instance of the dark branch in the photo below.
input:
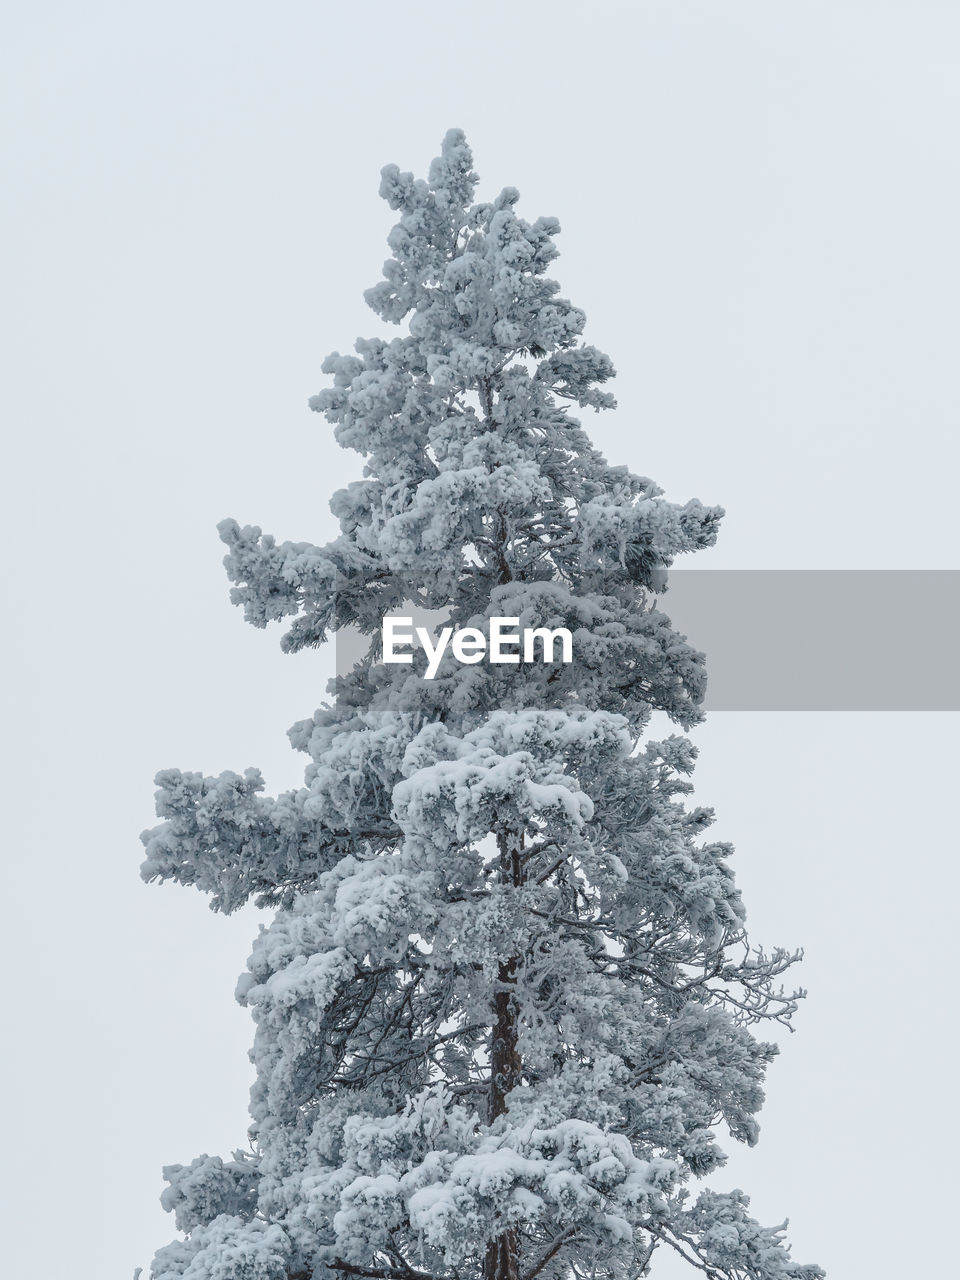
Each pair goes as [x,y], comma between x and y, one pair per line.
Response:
[563,1238]
[380,1273]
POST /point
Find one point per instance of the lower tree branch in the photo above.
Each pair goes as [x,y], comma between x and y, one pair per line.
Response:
[377,1273]
[563,1238]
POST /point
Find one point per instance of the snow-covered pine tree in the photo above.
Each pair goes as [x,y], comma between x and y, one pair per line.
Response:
[507,997]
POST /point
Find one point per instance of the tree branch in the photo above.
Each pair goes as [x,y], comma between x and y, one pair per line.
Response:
[563,1238]
[380,1273]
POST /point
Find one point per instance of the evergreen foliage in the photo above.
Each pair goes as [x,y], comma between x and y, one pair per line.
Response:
[507,998]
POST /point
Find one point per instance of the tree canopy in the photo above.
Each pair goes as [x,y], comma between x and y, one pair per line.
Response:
[506,1002]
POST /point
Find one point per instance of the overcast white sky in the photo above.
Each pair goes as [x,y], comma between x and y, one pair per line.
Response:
[760,205]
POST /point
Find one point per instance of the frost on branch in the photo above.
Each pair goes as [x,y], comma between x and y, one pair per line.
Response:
[227,1249]
[506,1009]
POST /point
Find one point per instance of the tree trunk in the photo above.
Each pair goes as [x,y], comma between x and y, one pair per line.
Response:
[500,1262]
